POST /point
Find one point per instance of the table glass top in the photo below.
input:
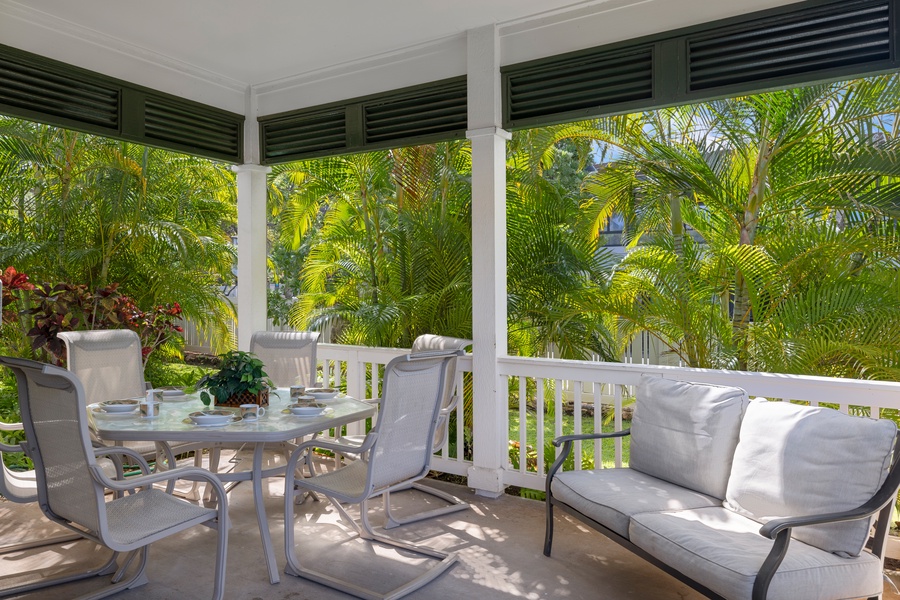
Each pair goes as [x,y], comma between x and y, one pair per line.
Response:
[173,423]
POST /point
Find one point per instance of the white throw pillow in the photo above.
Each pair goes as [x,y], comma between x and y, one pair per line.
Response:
[798,460]
[685,433]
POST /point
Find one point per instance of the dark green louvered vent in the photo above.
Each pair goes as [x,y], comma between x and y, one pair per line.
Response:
[789,45]
[28,88]
[47,91]
[304,134]
[187,124]
[431,112]
[584,83]
[808,41]
[426,113]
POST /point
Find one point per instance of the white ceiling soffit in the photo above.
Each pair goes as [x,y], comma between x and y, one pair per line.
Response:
[298,53]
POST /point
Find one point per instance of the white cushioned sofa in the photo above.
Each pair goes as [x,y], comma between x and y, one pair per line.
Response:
[741,499]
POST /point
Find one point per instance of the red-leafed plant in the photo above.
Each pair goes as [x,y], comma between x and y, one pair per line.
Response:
[71,307]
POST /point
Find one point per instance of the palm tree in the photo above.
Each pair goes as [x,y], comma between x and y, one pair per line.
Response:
[803,172]
[90,210]
[391,256]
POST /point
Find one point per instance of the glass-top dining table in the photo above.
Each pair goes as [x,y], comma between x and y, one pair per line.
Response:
[276,426]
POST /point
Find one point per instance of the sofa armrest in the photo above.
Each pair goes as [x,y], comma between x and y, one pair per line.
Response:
[567,440]
[885,494]
[780,529]
[589,436]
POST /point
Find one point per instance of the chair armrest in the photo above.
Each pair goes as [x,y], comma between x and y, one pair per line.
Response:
[11,426]
[334,447]
[187,473]
[123,451]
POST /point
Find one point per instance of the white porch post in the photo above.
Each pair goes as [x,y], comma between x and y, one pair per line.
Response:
[489,328]
[251,226]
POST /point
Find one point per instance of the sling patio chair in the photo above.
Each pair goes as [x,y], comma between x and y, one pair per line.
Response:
[289,356]
[72,486]
[110,365]
[449,400]
[396,452]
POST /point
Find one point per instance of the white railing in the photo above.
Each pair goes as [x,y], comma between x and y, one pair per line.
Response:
[551,403]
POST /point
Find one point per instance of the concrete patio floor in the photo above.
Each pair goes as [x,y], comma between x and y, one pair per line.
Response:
[498,541]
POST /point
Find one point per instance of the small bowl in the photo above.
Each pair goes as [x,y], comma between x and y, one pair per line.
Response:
[120,406]
[307,409]
[211,417]
[322,393]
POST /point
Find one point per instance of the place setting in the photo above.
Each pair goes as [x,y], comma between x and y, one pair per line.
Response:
[125,408]
[213,418]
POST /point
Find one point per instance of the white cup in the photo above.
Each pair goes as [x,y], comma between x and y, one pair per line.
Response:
[252,412]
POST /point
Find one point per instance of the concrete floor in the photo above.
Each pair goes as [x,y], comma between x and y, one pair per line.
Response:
[499,543]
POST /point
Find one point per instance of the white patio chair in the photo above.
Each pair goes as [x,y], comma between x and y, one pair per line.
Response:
[289,356]
[72,486]
[396,452]
[449,400]
[110,366]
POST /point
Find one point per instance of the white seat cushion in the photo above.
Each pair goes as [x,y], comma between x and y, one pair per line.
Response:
[724,551]
[686,432]
[798,460]
[611,496]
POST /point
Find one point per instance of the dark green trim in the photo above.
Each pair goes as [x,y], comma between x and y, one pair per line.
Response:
[421,114]
[806,42]
[47,91]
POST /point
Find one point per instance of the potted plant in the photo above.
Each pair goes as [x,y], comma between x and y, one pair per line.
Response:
[241,380]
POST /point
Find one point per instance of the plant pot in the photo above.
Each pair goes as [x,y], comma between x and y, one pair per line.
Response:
[261,398]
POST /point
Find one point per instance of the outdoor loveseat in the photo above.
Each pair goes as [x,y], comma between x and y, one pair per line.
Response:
[742,499]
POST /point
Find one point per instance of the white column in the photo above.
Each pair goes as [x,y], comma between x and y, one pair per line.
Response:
[251,227]
[251,269]
[489,327]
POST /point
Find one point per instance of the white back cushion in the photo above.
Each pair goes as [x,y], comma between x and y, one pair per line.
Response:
[798,460]
[685,433]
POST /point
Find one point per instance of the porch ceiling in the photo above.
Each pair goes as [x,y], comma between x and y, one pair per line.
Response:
[212,51]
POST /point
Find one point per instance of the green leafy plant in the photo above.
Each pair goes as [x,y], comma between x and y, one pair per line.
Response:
[240,372]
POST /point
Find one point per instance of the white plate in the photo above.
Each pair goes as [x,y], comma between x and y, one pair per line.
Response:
[311,410]
[171,390]
[120,406]
[97,411]
[324,411]
[322,393]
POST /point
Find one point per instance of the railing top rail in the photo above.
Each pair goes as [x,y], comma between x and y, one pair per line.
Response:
[776,385]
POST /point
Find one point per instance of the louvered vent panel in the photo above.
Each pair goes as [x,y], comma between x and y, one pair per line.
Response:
[32,88]
[439,111]
[185,124]
[310,134]
[805,42]
[580,83]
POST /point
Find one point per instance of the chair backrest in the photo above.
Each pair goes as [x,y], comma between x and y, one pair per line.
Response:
[287,356]
[428,342]
[51,401]
[108,363]
[410,406]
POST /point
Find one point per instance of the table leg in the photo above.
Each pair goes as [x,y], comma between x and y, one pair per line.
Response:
[257,478]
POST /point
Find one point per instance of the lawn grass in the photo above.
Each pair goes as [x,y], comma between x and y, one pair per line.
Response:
[568,427]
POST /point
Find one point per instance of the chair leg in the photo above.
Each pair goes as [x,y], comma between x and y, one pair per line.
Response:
[109,568]
[548,532]
[365,530]
[456,505]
